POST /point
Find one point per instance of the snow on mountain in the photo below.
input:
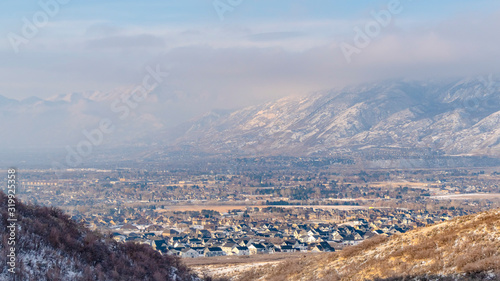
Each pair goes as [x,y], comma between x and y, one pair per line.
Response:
[448,117]
[96,96]
[445,117]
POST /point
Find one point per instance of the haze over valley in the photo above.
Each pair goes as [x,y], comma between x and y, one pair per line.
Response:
[238,140]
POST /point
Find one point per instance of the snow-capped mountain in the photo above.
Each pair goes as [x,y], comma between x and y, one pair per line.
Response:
[444,117]
[454,118]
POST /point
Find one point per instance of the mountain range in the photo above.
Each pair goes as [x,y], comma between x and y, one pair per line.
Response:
[450,118]
[398,117]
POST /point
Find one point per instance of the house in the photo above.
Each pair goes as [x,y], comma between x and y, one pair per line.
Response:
[200,250]
[128,228]
[300,247]
[170,233]
[274,249]
[326,247]
[241,251]
[214,252]
[287,249]
[195,242]
[335,236]
[205,233]
[228,248]
[176,251]
[257,248]
[189,253]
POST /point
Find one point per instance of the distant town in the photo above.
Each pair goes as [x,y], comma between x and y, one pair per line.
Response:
[208,214]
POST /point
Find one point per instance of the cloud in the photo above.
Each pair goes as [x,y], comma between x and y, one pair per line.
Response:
[274,36]
[124,42]
[103,29]
[233,65]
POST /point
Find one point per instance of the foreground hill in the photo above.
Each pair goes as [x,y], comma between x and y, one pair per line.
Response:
[465,248]
[50,246]
[445,117]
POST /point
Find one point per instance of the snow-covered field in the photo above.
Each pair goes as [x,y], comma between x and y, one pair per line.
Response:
[467,196]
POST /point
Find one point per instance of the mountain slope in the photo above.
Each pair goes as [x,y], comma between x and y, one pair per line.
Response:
[50,246]
[455,118]
[450,118]
[465,248]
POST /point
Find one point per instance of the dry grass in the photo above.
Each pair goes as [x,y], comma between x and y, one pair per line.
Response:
[228,260]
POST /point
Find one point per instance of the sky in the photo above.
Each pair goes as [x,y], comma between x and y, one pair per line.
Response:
[228,54]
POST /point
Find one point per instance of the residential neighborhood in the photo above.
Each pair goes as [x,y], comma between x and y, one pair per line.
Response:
[208,214]
[240,233]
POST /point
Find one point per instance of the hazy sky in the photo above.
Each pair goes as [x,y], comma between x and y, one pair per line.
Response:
[253,51]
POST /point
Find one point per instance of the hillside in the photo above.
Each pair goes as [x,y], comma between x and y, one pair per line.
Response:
[465,248]
[50,246]
[444,118]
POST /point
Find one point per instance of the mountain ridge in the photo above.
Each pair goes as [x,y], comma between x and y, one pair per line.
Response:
[454,118]
[403,118]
